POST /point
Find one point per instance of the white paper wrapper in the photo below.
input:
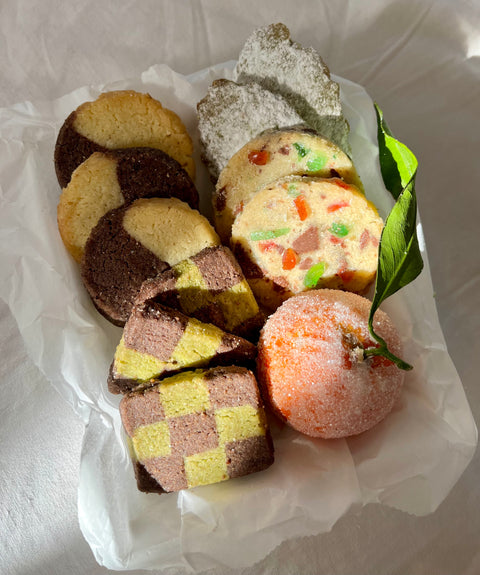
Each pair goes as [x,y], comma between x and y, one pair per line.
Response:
[410,461]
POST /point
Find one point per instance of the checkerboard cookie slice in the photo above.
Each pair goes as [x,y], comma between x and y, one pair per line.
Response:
[300,233]
[197,428]
[110,179]
[158,340]
[120,119]
[135,242]
[270,58]
[211,287]
[231,114]
[272,155]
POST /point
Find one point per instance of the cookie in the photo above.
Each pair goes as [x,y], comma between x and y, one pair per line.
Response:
[272,155]
[230,115]
[197,428]
[211,287]
[120,119]
[313,370]
[270,58]
[301,233]
[135,242]
[107,180]
[158,340]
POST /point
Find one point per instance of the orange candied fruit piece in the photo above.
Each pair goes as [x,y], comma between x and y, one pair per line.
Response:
[259,157]
[302,206]
[289,259]
[337,206]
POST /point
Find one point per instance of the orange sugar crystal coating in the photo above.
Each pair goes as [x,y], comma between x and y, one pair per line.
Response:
[311,364]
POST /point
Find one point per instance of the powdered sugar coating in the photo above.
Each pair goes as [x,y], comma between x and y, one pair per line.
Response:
[230,115]
[270,58]
[311,365]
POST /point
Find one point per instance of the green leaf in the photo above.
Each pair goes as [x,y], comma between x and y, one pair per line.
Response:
[399,257]
[397,163]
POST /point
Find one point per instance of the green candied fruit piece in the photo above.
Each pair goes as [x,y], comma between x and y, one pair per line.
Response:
[340,230]
[314,274]
[293,191]
[302,151]
[268,234]
[316,163]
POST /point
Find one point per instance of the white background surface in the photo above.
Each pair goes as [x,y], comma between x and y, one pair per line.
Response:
[420,61]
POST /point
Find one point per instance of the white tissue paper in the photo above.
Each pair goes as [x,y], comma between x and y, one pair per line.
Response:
[409,461]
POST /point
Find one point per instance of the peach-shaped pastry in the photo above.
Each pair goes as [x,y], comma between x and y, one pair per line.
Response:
[312,366]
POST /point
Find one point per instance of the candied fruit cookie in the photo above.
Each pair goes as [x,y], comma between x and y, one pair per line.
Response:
[312,368]
[120,119]
[157,340]
[272,155]
[231,114]
[300,233]
[197,428]
[110,179]
[271,59]
[211,287]
[135,242]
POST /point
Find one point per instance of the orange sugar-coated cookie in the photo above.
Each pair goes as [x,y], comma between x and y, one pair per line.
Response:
[312,368]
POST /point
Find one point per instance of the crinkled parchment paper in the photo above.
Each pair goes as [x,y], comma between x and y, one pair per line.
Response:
[410,461]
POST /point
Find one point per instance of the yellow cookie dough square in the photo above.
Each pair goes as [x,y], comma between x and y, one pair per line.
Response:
[192,288]
[151,441]
[206,467]
[198,343]
[238,304]
[236,423]
[136,365]
[180,396]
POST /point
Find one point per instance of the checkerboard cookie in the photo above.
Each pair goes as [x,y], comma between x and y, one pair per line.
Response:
[272,155]
[110,179]
[197,428]
[135,242]
[300,233]
[158,340]
[211,287]
[120,119]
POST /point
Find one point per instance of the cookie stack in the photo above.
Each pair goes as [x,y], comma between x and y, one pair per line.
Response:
[152,264]
[288,199]
[290,204]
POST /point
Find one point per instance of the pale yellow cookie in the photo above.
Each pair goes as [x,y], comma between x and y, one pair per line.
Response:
[272,155]
[302,233]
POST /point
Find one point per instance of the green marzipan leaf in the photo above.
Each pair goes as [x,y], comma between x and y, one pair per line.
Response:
[399,257]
